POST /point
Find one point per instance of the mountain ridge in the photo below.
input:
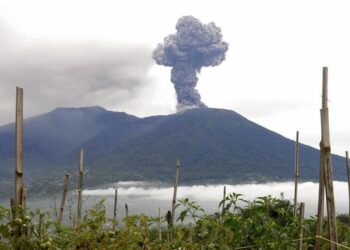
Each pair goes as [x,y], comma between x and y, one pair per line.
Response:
[214,145]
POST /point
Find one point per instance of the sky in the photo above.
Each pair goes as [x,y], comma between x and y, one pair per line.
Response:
[88,52]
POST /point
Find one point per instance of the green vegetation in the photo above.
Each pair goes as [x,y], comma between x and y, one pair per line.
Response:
[265,223]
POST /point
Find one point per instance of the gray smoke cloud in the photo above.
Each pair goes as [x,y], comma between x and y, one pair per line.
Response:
[193,46]
[72,74]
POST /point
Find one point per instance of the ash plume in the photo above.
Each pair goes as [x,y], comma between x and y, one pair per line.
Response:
[193,46]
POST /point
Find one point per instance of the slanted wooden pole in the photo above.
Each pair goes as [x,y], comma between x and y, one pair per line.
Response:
[320,209]
[223,202]
[348,172]
[175,191]
[115,207]
[64,196]
[327,163]
[296,173]
[80,186]
[301,233]
[19,148]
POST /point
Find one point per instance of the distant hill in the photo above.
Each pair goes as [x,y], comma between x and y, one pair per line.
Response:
[52,136]
[214,145]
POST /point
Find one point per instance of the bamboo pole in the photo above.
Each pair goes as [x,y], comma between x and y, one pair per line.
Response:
[223,202]
[64,196]
[115,207]
[327,163]
[175,192]
[296,173]
[332,226]
[80,186]
[301,234]
[171,215]
[348,172]
[19,147]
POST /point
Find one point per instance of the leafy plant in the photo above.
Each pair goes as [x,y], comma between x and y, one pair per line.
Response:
[190,208]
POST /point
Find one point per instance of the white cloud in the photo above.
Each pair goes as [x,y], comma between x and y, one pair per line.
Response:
[209,196]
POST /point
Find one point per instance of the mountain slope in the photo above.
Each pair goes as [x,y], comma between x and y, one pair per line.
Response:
[214,145]
[50,137]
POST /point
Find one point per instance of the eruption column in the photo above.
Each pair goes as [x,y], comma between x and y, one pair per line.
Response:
[192,47]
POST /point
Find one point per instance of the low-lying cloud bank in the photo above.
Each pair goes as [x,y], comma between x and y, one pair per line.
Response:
[212,194]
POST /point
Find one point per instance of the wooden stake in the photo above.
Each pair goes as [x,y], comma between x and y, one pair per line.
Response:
[80,186]
[41,225]
[24,197]
[190,232]
[348,172]
[327,163]
[64,195]
[19,147]
[175,191]
[223,202]
[296,173]
[168,218]
[115,207]
[12,206]
[301,234]
[126,210]
[159,224]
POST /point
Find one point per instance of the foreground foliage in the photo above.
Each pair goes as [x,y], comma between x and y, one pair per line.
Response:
[265,223]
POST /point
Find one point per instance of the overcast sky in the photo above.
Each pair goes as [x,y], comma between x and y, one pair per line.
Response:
[83,53]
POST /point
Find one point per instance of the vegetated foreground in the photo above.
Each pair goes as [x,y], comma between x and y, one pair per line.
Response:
[265,223]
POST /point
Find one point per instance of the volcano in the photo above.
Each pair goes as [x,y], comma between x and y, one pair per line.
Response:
[214,145]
